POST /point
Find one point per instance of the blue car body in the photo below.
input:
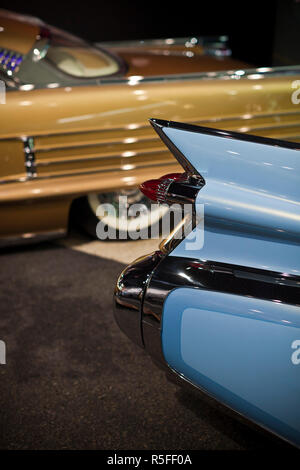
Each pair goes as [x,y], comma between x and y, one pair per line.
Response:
[221,308]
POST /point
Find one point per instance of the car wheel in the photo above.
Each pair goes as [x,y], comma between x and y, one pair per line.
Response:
[102,215]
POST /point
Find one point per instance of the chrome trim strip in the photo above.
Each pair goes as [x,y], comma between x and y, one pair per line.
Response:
[211,45]
[159,124]
[154,139]
[181,41]
[29,155]
[174,272]
[106,170]
[129,127]
[180,157]
[102,157]
[263,72]
[22,179]
[270,128]
[249,117]
[96,144]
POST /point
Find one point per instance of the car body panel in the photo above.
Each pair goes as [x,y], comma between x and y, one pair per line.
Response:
[251,200]
[234,247]
[172,56]
[19,36]
[242,351]
[30,221]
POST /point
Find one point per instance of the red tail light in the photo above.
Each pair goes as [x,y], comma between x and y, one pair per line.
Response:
[172,188]
[156,190]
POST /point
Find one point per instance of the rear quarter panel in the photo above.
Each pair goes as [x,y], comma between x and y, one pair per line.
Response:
[243,351]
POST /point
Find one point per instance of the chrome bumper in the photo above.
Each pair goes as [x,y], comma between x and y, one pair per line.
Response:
[129,293]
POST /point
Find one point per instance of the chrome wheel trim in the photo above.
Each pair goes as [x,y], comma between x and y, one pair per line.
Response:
[142,221]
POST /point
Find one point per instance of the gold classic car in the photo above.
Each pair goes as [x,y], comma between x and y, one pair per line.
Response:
[74,121]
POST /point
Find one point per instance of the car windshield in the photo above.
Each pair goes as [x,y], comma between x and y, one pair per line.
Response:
[75,57]
[57,57]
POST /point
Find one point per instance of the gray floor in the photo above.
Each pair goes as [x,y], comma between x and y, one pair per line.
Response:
[74,381]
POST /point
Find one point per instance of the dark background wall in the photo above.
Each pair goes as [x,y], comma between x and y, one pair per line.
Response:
[250,25]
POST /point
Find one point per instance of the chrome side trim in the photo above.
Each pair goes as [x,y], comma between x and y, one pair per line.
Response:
[52,148]
[159,124]
[174,272]
[134,126]
[261,72]
[127,141]
[29,155]
[182,160]
[22,179]
[216,46]
[30,151]
[269,128]
[143,287]
[83,173]
[129,127]
[182,41]
[247,117]
[100,157]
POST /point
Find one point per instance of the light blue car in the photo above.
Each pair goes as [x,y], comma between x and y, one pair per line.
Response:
[220,307]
